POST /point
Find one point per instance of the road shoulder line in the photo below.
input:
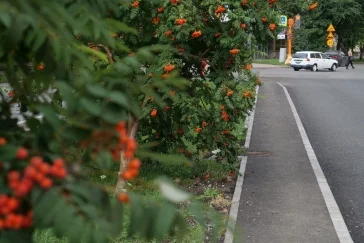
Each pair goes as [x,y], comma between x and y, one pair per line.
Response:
[234,209]
[334,211]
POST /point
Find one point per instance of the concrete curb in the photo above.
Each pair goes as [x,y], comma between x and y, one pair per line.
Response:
[334,211]
[267,66]
[233,215]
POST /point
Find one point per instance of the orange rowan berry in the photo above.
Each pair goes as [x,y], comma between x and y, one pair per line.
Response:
[13,176]
[58,162]
[134,164]
[135,4]
[153,112]
[160,10]
[123,198]
[198,129]
[246,94]
[40,67]
[22,153]
[168,68]
[134,172]
[36,161]
[181,21]
[204,124]
[30,172]
[46,183]
[44,168]
[230,93]
[13,204]
[39,177]
[2,141]
[234,51]
[127,175]
[220,9]
[196,34]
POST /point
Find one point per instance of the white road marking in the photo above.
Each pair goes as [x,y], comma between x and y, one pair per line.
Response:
[233,215]
[334,211]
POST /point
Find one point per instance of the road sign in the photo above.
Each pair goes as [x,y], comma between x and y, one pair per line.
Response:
[281,37]
[330,42]
[282,20]
[331,28]
[330,36]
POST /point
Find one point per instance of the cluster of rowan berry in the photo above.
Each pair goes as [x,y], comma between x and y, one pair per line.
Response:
[21,182]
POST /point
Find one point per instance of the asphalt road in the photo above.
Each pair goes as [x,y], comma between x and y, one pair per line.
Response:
[331,107]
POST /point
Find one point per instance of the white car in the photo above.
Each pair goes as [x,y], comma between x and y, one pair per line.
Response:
[313,60]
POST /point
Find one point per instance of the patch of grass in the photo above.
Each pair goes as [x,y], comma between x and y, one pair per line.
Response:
[268,61]
[358,61]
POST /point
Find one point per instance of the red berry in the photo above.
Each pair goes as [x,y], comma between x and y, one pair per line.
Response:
[46,183]
[123,198]
[3,200]
[36,161]
[134,164]
[22,153]
[13,204]
[39,177]
[30,172]
[61,173]
[44,168]
[13,176]
[2,141]
[58,162]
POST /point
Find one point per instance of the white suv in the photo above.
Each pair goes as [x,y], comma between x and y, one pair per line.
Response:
[313,60]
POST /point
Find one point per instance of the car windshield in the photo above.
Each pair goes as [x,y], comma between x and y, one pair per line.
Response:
[300,55]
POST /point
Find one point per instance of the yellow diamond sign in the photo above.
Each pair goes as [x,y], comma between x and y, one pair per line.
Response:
[331,28]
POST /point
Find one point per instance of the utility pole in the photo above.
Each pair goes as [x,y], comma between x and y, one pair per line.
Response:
[290,37]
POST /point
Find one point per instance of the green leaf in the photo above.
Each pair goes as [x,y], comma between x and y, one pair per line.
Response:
[68,95]
[163,158]
[119,98]
[136,215]
[5,19]
[7,152]
[91,106]
[164,219]
[171,192]
[97,90]
[117,219]
[50,115]
[113,114]
[93,52]
[39,40]
[44,204]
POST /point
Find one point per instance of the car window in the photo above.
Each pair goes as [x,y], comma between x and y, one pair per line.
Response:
[324,56]
[300,55]
[317,55]
[312,55]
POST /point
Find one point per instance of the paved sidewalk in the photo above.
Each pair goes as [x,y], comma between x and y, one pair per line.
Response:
[281,201]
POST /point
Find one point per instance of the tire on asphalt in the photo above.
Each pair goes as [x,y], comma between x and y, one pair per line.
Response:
[333,67]
[296,69]
[314,68]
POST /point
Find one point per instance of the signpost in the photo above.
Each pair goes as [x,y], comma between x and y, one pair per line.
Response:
[330,38]
[289,36]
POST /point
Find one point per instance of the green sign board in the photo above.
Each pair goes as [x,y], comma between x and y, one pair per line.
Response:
[282,20]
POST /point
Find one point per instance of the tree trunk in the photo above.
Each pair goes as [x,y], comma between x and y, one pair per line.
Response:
[361,51]
[132,129]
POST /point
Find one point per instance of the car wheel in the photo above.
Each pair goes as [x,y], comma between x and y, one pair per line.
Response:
[296,69]
[314,68]
[333,67]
